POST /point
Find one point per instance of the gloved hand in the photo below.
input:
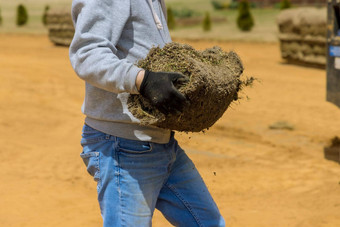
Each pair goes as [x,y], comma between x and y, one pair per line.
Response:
[159,89]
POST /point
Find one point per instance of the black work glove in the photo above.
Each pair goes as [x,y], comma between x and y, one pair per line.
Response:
[159,89]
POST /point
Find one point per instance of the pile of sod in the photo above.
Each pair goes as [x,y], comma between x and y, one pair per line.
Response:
[214,85]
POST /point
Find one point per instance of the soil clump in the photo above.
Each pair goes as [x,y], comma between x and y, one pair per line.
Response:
[214,84]
[332,152]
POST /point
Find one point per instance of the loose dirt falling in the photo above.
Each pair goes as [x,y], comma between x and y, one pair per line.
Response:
[258,176]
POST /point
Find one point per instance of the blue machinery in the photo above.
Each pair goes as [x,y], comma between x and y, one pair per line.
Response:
[333,52]
[333,69]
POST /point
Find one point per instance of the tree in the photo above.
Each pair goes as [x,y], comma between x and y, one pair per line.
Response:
[44,16]
[0,18]
[207,22]
[171,19]
[22,15]
[245,20]
[285,4]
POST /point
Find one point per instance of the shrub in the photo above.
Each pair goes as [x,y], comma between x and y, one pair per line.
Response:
[253,5]
[277,5]
[285,4]
[183,13]
[245,20]
[22,15]
[233,5]
[44,16]
[171,19]
[219,5]
[0,18]
[207,22]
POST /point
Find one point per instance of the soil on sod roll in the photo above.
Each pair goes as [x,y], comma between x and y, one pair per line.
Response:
[214,84]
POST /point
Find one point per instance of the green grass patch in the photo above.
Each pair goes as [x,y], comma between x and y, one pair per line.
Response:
[265,28]
[35,9]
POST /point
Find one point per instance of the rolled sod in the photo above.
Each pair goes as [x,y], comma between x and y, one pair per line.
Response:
[214,85]
[60,26]
[304,21]
[303,35]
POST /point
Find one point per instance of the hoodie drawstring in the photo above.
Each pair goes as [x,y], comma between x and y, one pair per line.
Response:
[155,16]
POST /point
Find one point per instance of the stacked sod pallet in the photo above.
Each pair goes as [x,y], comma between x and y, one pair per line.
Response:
[60,27]
[303,35]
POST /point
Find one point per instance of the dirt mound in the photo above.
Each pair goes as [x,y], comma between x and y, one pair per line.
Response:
[214,84]
[332,152]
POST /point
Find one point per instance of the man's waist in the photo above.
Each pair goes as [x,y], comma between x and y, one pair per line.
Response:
[131,131]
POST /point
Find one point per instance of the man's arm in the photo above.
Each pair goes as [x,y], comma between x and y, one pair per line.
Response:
[139,79]
[98,27]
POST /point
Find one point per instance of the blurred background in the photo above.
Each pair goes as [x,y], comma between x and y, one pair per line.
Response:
[188,15]
[271,160]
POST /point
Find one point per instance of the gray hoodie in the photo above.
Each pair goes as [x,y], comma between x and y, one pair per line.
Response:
[110,37]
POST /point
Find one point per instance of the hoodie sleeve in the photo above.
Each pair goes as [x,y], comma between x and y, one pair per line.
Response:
[98,27]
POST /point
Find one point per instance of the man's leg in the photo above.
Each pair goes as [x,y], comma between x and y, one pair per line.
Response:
[130,175]
[184,199]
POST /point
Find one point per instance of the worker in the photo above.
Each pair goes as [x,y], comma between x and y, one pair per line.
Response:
[137,168]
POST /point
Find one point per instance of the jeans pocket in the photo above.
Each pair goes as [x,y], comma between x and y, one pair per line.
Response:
[91,160]
[134,146]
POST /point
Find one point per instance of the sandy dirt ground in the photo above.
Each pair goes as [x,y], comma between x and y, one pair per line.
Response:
[258,176]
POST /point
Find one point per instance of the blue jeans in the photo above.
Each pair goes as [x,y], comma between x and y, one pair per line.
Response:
[135,177]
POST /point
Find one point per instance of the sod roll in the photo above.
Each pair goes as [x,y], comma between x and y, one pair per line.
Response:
[303,21]
[303,34]
[60,27]
[214,85]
